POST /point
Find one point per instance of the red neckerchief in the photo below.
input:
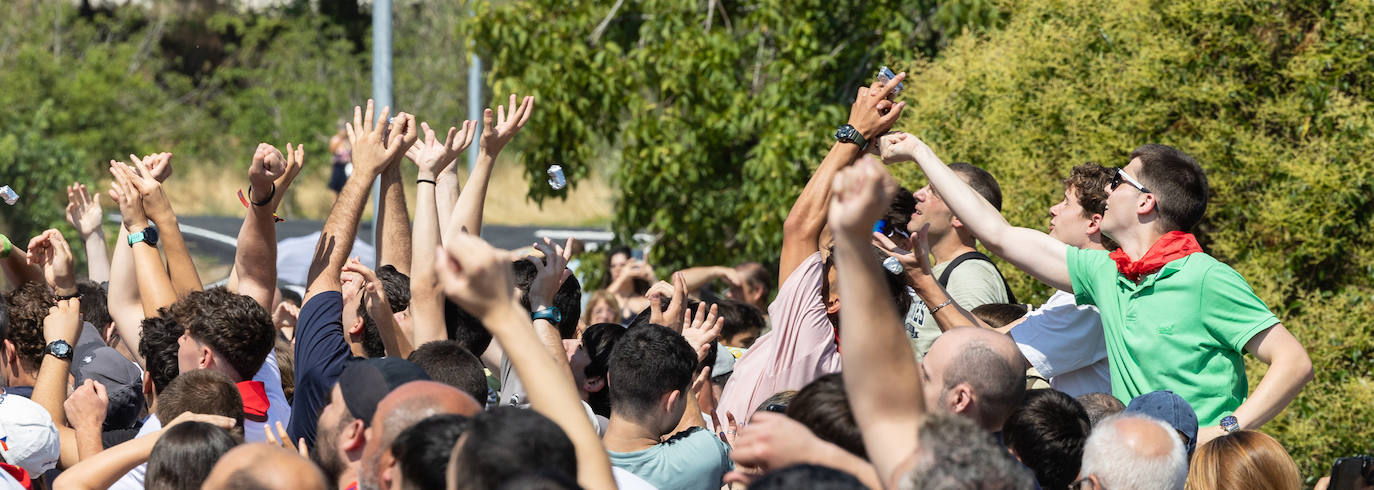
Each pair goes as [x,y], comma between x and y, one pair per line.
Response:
[1173,245]
[19,474]
[255,401]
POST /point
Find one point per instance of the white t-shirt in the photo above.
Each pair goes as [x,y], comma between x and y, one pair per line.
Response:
[133,480]
[1064,342]
[277,410]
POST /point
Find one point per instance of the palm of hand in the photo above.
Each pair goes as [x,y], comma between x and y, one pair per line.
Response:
[83,212]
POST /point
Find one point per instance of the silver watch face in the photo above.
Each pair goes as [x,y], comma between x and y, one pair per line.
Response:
[60,349]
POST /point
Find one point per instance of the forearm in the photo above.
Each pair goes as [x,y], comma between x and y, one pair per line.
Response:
[88,442]
[105,468]
[394,249]
[551,392]
[445,196]
[802,229]
[426,299]
[832,456]
[154,287]
[950,315]
[886,414]
[50,389]
[17,268]
[393,340]
[97,257]
[468,212]
[336,238]
[184,277]
[255,256]
[124,302]
[698,277]
[1289,371]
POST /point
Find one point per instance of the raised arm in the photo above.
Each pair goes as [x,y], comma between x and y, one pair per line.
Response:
[83,212]
[15,262]
[154,286]
[947,312]
[394,220]
[395,342]
[255,257]
[871,115]
[445,193]
[700,331]
[431,157]
[888,414]
[479,278]
[1030,250]
[63,323]
[468,213]
[185,279]
[104,469]
[370,155]
[698,277]
[49,251]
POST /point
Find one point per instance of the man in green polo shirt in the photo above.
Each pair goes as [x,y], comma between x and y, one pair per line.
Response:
[1174,318]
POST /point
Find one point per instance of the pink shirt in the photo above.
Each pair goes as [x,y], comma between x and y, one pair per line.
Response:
[800,347]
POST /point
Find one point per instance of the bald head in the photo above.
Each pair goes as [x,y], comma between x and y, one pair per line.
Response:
[265,466]
[977,373]
[1135,451]
[405,406]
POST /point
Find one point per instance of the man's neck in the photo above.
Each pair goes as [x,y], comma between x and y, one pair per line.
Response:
[624,436]
[949,246]
[1138,240]
[22,377]
[349,476]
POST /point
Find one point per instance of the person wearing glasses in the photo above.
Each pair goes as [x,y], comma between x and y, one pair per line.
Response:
[1173,317]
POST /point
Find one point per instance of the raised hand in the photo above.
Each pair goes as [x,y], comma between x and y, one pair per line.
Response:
[550,273]
[285,315]
[475,275]
[902,147]
[670,317]
[268,165]
[507,123]
[63,321]
[281,439]
[371,153]
[374,299]
[295,161]
[50,251]
[433,156]
[155,203]
[83,211]
[872,114]
[701,329]
[159,168]
[859,195]
[130,200]
[915,258]
[404,125]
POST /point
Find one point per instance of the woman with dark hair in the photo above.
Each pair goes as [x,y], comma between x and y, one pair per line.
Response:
[628,278]
[597,341]
[184,455]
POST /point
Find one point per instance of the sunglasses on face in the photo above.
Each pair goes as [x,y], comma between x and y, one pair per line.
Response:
[1120,176]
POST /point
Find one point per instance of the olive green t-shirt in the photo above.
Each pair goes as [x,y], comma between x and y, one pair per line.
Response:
[1182,329]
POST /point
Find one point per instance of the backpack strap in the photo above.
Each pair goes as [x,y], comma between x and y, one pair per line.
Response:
[975,255]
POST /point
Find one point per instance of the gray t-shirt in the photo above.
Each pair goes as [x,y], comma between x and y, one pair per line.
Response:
[974,283]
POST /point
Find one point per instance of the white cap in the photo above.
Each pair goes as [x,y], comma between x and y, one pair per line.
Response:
[28,438]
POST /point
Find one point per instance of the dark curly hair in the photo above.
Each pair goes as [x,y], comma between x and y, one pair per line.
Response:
[28,306]
[234,325]
[95,306]
[1089,182]
[157,345]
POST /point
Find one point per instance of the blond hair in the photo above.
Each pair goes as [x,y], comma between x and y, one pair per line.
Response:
[1243,459]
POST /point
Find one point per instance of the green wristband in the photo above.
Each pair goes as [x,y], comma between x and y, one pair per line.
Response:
[5,247]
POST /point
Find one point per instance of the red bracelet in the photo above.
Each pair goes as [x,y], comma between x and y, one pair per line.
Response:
[244,200]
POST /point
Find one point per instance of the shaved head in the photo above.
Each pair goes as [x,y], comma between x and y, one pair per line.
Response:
[265,466]
[405,406]
[977,373]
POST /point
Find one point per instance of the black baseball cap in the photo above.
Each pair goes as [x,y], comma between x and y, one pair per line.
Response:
[365,382]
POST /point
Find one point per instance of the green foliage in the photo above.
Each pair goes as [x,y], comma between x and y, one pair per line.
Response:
[716,115]
[37,168]
[1273,98]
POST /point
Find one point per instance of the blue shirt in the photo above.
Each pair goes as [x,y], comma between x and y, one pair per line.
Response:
[321,353]
[693,459]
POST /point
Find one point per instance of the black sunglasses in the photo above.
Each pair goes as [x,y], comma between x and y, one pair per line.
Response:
[1119,176]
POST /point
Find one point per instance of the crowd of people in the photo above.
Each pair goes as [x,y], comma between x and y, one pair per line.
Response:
[882,349]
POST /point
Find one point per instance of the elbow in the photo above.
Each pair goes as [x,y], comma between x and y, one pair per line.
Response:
[1303,366]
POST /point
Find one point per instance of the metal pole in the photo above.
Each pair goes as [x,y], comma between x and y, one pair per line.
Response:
[475,105]
[381,91]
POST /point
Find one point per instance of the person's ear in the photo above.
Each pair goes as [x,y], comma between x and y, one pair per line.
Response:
[388,476]
[1147,204]
[594,384]
[669,401]
[1094,224]
[207,358]
[960,398]
[148,385]
[954,221]
[832,307]
[353,437]
[357,327]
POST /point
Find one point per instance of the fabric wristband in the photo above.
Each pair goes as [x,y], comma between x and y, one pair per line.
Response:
[5,247]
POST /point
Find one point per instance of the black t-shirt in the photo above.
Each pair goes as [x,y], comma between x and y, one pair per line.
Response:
[321,353]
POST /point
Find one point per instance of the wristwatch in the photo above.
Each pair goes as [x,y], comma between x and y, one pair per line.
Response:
[148,235]
[1230,424]
[847,134]
[551,314]
[60,349]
